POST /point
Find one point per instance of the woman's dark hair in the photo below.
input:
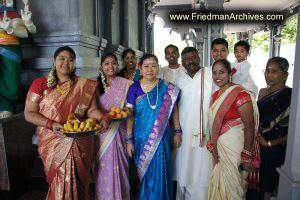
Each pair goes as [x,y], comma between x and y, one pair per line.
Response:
[282,63]
[147,56]
[126,51]
[73,55]
[108,55]
[244,44]
[225,62]
[101,75]
[65,48]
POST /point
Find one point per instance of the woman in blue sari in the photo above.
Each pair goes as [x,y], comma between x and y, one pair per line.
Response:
[152,101]
[274,108]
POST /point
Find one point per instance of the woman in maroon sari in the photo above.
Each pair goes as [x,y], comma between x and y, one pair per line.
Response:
[50,99]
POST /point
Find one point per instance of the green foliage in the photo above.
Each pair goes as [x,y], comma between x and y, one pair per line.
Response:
[261,40]
[231,42]
[289,30]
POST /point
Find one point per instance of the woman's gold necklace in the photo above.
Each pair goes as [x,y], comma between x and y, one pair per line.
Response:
[64,90]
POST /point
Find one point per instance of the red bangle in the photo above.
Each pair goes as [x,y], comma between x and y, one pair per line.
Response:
[246,156]
[49,124]
[210,146]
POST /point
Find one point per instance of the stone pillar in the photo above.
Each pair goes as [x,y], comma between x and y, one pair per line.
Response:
[201,34]
[289,182]
[275,40]
[112,25]
[61,23]
[214,30]
[142,25]
[131,35]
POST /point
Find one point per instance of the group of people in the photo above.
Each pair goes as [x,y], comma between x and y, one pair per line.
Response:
[198,126]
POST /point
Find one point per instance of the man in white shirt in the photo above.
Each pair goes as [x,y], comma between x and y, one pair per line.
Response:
[193,162]
[171,71]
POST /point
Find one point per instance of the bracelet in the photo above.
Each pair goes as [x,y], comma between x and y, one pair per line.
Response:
[249,153]
[210,146]
[49,124]
[27,24]
[249,160]
[128,139]
[246,156]
[269,143]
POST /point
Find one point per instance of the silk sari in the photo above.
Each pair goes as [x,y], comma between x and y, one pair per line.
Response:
[112,178]
[227,182]
[152,152]
[274,110]
[67,161]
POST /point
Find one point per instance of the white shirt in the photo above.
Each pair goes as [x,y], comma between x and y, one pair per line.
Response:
[243,76]
[169,74]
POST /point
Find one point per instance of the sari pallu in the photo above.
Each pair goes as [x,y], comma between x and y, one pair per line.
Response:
[274,112]
[227,182]
[152,141]
[112,178]
[66,160]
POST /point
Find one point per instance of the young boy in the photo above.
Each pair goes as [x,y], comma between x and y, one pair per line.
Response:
[241,67]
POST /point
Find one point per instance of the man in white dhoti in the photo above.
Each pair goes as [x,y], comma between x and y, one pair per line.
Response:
[193,163]
[171,71]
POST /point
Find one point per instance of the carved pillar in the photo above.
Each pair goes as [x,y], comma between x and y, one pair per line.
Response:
[275,40]
[201,35]
[150,18]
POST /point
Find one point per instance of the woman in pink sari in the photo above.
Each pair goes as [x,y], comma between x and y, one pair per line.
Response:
[112,179]
[50,99]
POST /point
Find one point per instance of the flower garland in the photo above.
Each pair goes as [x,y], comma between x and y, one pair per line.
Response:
[51,80]
[103,80]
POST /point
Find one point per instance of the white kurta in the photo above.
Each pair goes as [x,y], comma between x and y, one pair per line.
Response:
[169,74]
[192,167]
[243,76]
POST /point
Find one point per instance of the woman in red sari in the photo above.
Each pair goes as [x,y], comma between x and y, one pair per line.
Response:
[233,122]
[50,99]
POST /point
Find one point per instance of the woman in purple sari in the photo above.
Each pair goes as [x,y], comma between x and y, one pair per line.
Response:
[152,101]
[112,178]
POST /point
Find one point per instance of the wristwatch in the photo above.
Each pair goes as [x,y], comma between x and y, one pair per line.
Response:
[269,143]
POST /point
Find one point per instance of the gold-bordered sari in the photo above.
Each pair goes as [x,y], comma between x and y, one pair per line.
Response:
[67,161]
